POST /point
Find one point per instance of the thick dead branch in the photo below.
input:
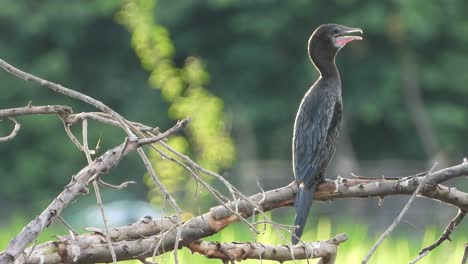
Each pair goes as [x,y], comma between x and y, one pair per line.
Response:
[241,251]
[378,187]
[75,188]
[128,242]
[145,227]
[92,248]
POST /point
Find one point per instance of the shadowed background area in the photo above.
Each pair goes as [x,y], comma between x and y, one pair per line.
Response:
[404,93]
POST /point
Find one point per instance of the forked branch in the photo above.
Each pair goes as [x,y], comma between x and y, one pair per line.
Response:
[140,239]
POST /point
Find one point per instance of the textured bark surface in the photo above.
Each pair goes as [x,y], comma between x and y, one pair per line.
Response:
[280,253]
[141,238]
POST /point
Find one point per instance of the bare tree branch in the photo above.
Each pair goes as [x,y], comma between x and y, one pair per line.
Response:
[97,191]
[35,110]
[106,119]
[168,197]
[92,247]
[465,255]
[445,236]
[153,237]
[71,93]
[13,133]
[76,187]
[247,250]
[378,187]
[128,242]
[400,216]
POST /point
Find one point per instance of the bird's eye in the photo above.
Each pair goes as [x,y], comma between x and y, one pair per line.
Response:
[335,31]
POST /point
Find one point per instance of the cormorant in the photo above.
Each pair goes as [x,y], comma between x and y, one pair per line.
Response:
[318,119]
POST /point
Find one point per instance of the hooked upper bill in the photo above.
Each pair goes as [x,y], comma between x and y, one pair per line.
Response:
[342,38]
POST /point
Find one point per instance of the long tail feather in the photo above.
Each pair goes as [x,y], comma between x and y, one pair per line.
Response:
[303,203]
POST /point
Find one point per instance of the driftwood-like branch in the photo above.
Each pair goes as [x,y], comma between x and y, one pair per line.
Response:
[77,186]
[93,249]
[240,251]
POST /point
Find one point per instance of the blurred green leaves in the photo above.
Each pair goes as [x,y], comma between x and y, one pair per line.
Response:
[207,140]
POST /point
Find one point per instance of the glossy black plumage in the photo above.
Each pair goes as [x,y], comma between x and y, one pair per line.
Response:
[318,120]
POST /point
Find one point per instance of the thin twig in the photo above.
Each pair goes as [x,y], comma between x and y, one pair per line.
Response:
[114,187]
[13,133]
[180,124]
[444,236]
[222,200]
[35,110]
[419,257]
[77,187]
[71,93]
[30,252]
[233,190]
[70,229]
[72,137]
[97,192]
[400,216]
[105,119]
[167,196]
[465,255]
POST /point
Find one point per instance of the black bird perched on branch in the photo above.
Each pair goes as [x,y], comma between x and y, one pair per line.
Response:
[318,119]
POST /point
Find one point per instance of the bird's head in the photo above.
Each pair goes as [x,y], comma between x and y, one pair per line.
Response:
[328,39]
[334,36]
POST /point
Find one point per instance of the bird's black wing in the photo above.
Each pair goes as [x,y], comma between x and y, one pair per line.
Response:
[310,135]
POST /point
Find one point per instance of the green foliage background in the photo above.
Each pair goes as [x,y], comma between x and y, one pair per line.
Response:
[234,66]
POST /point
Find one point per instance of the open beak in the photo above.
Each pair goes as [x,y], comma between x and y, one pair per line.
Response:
[343,38]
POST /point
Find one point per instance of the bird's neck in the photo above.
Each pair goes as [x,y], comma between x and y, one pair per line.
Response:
[325,64]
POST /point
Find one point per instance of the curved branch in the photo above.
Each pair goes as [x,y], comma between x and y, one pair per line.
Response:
[13,133]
